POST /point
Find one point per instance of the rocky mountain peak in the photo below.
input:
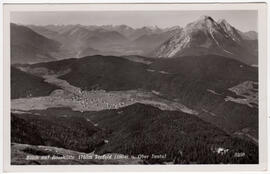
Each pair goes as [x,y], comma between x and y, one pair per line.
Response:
[202,23]
[206,36]
[205,18]
[230,30]
[225,25]
[223,21]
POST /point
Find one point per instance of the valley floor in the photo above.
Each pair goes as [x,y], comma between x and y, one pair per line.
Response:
[95,100]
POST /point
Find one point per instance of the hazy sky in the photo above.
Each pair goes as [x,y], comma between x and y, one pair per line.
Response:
[241,19]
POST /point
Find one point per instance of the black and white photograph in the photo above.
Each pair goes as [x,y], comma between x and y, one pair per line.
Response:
[134,87]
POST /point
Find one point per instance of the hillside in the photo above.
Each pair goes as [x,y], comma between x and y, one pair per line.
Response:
[182,137]
[101,72]
[43,128]
[27,85]
[28,46]
[165,75]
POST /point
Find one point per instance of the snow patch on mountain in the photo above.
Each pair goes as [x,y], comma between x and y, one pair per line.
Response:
[227,51]
[211,32]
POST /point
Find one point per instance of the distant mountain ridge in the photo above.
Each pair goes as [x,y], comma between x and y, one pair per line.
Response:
[250,35]
[201,37]
[125,30]
[206,36]
[79,40]
[28,46]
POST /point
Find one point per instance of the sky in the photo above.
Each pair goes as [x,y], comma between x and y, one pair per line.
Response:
[244,20]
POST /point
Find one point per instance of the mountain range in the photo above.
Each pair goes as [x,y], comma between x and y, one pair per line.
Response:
[79,40]
[201,37]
